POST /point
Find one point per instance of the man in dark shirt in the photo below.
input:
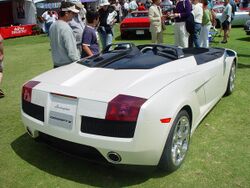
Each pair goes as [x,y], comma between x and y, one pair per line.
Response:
[181,13]
[89,39]
[105,29]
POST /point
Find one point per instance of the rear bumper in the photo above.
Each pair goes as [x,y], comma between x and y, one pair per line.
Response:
[135,31]
[145,148]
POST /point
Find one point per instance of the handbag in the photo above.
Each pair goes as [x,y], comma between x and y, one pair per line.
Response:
[189,23]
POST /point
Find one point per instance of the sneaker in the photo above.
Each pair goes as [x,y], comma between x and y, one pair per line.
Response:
[1,94]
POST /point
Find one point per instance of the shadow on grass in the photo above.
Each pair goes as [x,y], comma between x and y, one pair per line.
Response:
[247,39]
[77,169]
[243,66]
[243,55]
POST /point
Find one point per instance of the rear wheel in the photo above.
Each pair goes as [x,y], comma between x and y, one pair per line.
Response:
[177,143]
[231,80]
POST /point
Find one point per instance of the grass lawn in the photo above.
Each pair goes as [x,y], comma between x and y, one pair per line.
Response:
[219,154]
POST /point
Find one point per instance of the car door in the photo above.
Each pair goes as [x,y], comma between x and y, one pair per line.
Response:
[213,79]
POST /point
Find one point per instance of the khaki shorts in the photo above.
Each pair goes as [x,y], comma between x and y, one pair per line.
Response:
[1,66]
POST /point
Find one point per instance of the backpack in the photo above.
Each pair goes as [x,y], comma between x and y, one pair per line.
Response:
[190,23]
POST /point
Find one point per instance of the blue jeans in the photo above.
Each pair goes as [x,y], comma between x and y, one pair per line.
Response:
[106,38]
[194,39]
[47,26]
[197,31]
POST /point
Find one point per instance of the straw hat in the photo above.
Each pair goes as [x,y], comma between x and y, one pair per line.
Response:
[77,3]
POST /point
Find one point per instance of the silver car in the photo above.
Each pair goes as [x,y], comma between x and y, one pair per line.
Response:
[240,17]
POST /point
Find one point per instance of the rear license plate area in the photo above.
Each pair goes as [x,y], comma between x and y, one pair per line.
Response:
[62,112]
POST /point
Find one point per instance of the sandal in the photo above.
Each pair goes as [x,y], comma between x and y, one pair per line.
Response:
[223,42]
[1,94]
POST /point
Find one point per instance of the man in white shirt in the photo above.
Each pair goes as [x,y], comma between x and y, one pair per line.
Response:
[125,9]
[194,39]
[132,6]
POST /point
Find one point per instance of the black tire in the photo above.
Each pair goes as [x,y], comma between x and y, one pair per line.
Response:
[168,162]
[231,80]
[123,36]
[248,32]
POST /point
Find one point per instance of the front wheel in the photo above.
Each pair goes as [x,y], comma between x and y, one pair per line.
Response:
[177,143]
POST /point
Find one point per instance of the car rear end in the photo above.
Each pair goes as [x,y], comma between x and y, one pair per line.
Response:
[122,129]
[135,27]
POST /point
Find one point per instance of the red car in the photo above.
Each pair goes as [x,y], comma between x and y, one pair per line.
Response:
[135,24]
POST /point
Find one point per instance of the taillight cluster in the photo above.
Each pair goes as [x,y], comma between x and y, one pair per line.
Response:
[27,90]
[124,108]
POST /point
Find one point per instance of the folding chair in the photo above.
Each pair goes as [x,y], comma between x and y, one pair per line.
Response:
[212,34]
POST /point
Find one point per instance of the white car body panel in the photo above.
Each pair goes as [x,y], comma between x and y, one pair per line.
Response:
[168,88]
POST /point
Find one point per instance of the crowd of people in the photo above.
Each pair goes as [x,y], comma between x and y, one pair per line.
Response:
[74,31]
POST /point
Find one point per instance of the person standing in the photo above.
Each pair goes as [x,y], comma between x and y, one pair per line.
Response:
[105,27]
[49,18]
[226,19]
[62,39]
[234,8]
[77,26]
[194,38]
[181,13]
[1,64]
[156,22]
[125,9]
[118,9]
[44,18]
[132,6]
[89,39]
[206,25]
[141,6]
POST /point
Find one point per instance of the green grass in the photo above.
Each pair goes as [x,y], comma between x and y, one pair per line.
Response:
[219,154]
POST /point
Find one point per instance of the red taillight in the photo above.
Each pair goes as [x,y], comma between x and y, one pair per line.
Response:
[165,120]
[27,90]
[124,108]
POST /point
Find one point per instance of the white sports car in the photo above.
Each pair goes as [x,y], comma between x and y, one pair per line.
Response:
[134,105]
